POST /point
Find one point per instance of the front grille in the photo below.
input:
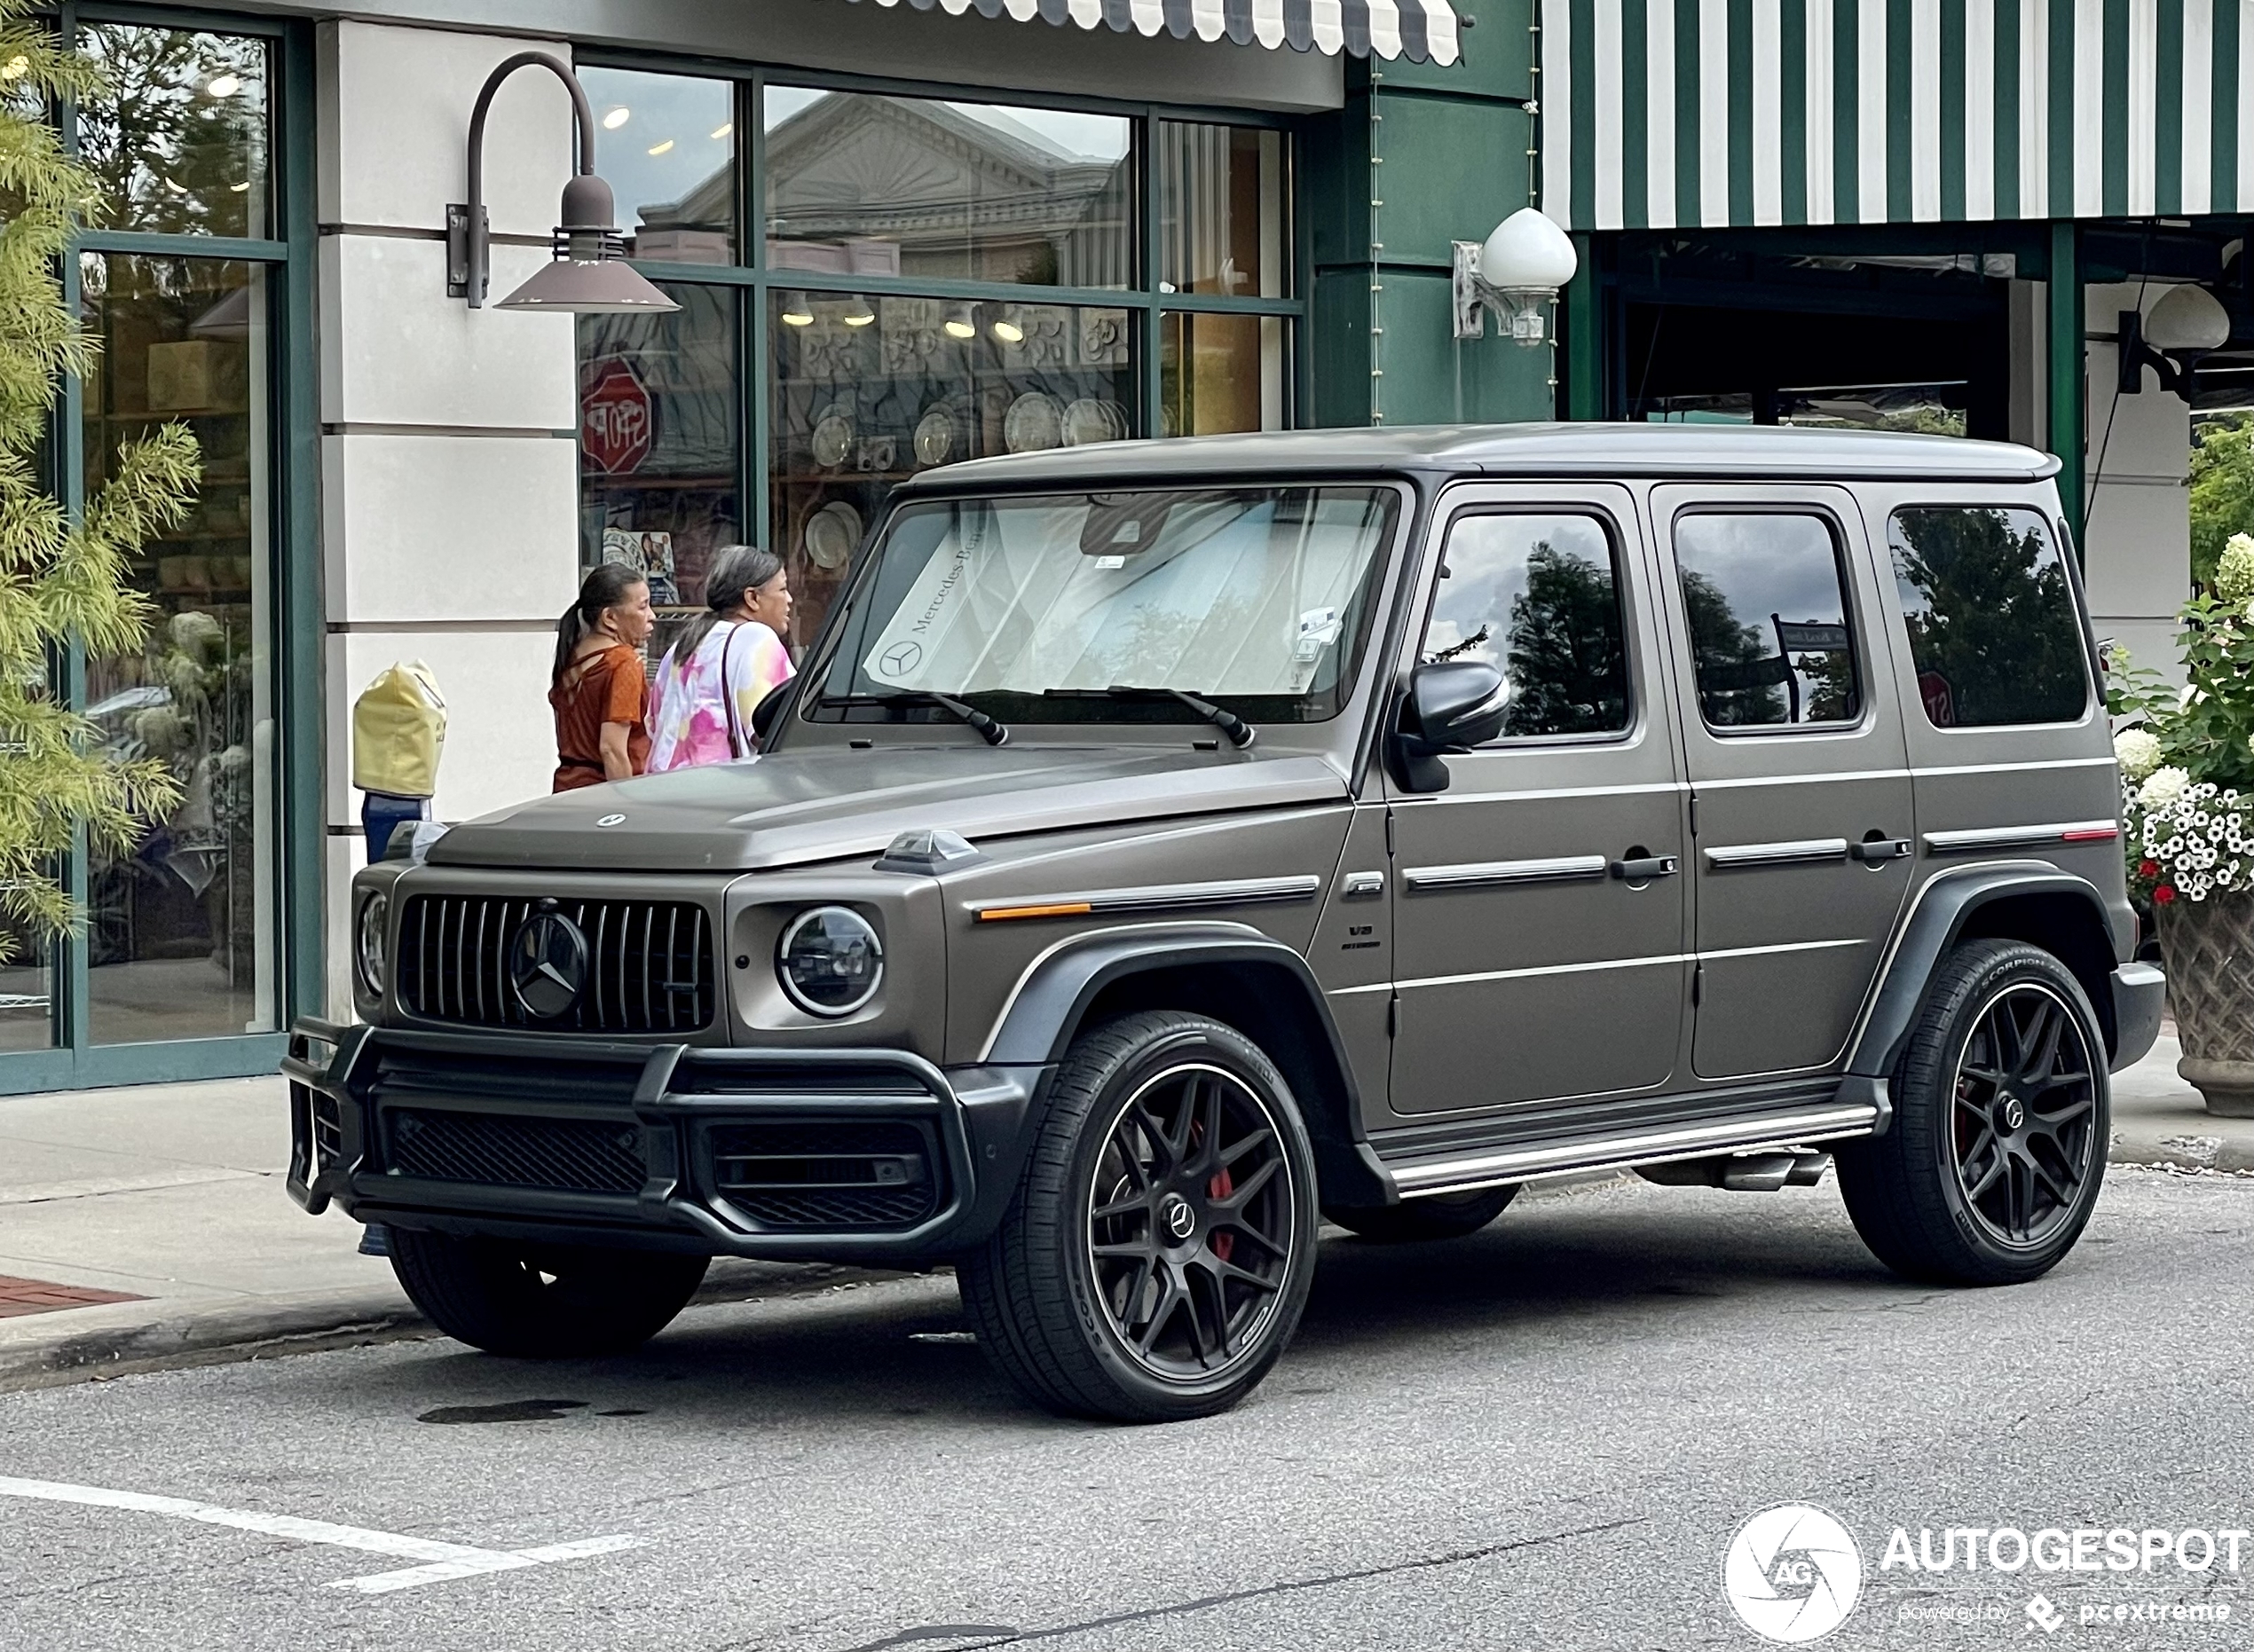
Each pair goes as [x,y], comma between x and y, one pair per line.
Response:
[649,965]
[565,1155]
[828,1173]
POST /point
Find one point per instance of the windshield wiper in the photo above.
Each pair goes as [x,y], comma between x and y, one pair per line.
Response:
[1241,733]
[990,731]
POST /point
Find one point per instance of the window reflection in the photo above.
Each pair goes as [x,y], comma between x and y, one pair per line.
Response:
[180,931]
[1223,224]
[1770,637]
[666,145]
[1991,616]
[867,392]
[179,139]
[658,440]
[859,183]
[1222,372]
[1536,596]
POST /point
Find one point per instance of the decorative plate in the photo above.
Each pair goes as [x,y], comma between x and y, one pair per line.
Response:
[1034,422]
[1089,420]
[936,437]
[832,439]
[832,533]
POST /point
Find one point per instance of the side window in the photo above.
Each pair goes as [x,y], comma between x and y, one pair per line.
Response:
[1539,597]
[1991,613]
[1770,643]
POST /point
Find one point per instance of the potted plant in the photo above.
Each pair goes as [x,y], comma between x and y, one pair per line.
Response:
[2187,796]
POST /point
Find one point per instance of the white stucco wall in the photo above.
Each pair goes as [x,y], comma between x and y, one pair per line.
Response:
[2136,517]
[448,458]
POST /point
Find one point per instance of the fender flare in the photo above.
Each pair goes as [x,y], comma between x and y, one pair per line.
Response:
[1053,996]
[1945,907]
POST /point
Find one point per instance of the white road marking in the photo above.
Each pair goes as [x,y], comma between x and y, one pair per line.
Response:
[445,1561]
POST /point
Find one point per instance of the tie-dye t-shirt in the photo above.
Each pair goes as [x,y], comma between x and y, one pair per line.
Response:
[689,721]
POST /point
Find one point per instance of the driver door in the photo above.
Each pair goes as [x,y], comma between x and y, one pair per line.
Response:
[1540,910]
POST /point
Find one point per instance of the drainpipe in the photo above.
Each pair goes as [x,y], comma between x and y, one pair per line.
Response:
[2067,357]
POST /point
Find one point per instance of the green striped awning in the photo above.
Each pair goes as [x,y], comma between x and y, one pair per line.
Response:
[1678,114]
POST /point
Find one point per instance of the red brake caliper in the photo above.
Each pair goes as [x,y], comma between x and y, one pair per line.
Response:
[1224,1241]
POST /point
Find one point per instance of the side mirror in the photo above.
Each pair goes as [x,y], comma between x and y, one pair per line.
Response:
[1452,706]
[769,711]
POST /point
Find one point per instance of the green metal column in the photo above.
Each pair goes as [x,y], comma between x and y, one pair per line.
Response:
[2067,357]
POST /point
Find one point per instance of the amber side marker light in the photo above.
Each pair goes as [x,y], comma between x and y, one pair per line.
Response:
[1058,909]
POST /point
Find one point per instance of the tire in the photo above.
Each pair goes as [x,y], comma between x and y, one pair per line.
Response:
[1156,1257]
[1998,1147]
[1414,1221]
[551,1303]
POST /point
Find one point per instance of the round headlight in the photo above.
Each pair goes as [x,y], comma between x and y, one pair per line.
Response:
[368,941]
[829,961]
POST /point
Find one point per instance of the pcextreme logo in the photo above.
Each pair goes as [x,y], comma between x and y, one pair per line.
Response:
[1792,1574]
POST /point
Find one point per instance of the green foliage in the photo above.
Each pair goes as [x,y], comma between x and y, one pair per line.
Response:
[1567,676]
[60,582]
[1992,614]
[1740,683]
[2222,488]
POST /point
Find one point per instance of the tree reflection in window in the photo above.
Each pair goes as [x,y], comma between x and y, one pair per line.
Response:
[1991,614]
[1762,596]
[1537,596]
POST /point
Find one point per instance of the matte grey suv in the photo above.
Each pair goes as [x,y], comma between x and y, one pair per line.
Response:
[1169,845]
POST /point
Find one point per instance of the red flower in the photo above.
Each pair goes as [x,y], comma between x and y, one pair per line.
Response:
[2163,894]
[2147,869]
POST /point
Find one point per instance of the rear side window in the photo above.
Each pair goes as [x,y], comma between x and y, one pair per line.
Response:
[1537,596]
[1770,644]
[1991,619]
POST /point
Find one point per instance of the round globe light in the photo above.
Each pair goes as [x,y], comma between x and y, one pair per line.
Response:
[1527,253]
[2187,317]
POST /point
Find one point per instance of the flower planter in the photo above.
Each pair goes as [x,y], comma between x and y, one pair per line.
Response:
[2208,946]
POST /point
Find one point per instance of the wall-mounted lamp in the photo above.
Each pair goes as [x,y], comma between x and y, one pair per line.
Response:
[2186,324]
[590,275]
[1517,274]
[1009,327]
[798,310]
[960,322]
[858,311]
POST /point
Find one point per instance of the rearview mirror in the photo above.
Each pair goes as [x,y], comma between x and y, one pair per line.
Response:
[1452,706]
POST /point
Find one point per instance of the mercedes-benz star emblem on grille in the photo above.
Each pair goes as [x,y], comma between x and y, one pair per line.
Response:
[548,965]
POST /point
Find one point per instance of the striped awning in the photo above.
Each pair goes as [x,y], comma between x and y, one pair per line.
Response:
[1420,30]
[1679,113]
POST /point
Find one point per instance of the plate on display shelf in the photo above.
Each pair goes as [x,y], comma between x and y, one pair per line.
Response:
[832,533]
[1034,422]
[1091,420]
[832,438]
[938,435]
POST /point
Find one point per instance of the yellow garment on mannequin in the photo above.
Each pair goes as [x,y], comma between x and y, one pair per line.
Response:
[398,730]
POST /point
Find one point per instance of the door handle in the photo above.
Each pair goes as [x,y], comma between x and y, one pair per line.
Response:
[1877,851]
[1644,867]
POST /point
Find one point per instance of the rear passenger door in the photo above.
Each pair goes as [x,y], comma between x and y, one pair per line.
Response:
[1793,746]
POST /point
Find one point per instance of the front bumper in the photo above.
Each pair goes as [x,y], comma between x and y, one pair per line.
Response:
[868,1155]
[2140,994]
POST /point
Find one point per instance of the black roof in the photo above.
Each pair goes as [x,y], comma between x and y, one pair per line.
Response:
[1529,450]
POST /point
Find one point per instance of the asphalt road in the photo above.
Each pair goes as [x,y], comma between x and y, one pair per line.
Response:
[1544,1435]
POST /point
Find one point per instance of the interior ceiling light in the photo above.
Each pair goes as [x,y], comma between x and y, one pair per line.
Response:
[797,310]
[659,149]
[242,188]
[858,312]
[1007,328]
[723,129]
[958,323]
[613,118]
[223,85]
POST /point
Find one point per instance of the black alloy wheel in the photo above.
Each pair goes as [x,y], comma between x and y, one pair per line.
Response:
[1191,1240]
[1157,1254]
[1994,1159]
[2025,1103]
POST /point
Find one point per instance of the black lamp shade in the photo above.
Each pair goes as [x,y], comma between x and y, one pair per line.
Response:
[609,287]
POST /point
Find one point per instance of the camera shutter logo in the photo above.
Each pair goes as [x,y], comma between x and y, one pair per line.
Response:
[1792,1574]
[548,965]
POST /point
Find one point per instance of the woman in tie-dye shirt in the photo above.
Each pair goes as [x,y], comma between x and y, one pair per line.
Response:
[728,659]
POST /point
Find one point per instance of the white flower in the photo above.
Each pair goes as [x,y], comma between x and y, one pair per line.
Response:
[2137,751]
[2163,788]
[2235,570]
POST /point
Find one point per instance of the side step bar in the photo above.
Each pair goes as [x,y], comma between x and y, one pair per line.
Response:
[1767,1131]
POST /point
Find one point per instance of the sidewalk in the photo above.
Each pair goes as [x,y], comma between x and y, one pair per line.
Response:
[171,1197]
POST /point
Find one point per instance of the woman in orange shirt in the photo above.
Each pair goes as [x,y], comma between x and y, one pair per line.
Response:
[599,688]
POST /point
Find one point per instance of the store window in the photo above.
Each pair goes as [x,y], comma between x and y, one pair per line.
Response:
[179,136]
[1222,371]
[867,183]
[660,440]
[666,145]
[182,929]
[866,392]
[1223,197]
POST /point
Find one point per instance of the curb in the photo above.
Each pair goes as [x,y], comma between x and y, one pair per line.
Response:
[312,1325]
[2194,1151]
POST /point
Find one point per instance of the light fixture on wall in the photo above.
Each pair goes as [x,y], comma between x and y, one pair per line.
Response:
[1516,273]
[589,275]
[958,323]
[1009,327]
[798,310]
[859,312]
[2185,324]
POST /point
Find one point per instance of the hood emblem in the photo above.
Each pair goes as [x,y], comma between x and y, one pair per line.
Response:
[548,965]
[613,820]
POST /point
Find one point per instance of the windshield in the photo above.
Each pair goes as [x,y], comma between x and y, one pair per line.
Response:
[1036,608]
